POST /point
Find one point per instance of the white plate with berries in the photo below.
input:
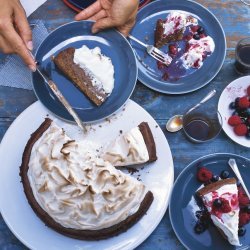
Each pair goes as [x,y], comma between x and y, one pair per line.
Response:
[234,107]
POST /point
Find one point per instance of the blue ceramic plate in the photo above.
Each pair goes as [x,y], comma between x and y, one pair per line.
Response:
[148,72]
[181,216]
[112,44]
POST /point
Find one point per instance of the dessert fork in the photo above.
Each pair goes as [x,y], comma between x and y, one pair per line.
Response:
[233,165]
[154,52]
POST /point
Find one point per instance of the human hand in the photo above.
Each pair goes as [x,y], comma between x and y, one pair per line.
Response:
[15,32]
[120,14]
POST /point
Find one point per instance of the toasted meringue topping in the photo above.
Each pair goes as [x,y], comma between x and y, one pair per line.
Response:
[77,188]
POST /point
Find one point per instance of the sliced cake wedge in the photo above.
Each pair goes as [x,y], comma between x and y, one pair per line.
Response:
[221,200]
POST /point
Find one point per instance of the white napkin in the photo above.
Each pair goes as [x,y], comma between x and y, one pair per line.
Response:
[13,72]
[31,5]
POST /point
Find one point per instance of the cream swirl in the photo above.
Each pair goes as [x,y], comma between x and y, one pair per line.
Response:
[77,188]
[127,149]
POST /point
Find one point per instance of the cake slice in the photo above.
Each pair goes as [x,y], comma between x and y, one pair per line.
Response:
[76,192]
[136,146]
[89,70]
[173,28]
[221,200]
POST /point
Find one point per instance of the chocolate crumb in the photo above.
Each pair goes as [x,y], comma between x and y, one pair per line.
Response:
[132,170]
[100,126]
[121,131]
[156,126]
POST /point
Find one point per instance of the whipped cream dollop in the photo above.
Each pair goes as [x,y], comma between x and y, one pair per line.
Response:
[99,67]
[197,51]
[127,149]
[177,20]
[227,222]
[76,187]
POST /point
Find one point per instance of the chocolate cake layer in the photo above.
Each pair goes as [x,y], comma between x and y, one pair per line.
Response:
[215,185]
[81,79]
[149,141]
[161,39]
[48,220]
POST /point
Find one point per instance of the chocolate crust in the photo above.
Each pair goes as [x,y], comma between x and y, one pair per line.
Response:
[215,185]
[64,61]
[161,39]
[48,220]
[149,140]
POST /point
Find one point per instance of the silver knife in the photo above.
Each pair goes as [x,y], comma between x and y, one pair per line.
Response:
[62,99]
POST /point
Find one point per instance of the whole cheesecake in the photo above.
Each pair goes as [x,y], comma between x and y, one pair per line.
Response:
[75,191]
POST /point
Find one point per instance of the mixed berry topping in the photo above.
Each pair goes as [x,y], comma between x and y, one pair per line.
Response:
[240,118]
[225,203]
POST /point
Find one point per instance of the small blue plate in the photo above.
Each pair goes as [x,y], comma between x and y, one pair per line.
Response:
[148,72]
[77,34]
[183,219]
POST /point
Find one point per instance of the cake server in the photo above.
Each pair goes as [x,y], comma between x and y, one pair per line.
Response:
[154,52]
[62,99]
[234,167]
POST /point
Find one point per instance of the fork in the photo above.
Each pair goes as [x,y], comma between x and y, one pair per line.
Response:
[154,52]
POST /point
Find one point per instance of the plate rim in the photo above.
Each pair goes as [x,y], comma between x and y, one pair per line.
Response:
[71,118]
[209,80]
[183,172]
[153,225]
[218,108]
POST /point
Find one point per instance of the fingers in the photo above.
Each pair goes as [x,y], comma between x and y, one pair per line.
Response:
[23,27]
[99,15]
[126,28]
[88,12]
[14,44]
[102,24]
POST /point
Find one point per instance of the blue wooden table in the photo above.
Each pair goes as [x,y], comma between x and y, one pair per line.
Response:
[235,18]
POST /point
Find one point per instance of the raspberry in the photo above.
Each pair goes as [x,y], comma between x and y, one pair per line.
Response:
[202,35]
[188,37]
[204,175]
[243,199]
[244,218]
[244,102]
[225,207]
[195,28]
[234,120]
[240,129]
[248,90]
[173,49]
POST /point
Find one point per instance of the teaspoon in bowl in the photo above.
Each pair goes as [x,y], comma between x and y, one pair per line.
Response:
[174,124]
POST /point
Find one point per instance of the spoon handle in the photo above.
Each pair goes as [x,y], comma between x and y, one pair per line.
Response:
[233,165]
[205,99]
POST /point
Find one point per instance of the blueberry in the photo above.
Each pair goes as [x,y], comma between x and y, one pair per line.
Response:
[241,231]
[246,112]
[247,209]
[196,36]
[232,105]
[237,101]
[199,227]
[198,214]
[235,113]
[217,203]
[238,183]
[248,135]
[224,174]
[215,178]
[200,30]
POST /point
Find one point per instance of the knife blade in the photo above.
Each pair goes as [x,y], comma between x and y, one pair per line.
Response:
[61,98]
